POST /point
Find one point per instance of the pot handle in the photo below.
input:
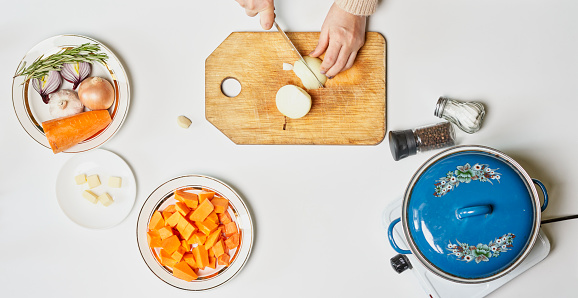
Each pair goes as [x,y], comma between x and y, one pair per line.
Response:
[544,192]
[392,241]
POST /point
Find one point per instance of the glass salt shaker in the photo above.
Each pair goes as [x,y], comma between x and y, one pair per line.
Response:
[468,116]
[404,143]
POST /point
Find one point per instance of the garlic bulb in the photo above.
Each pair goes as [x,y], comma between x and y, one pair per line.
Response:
[64,103]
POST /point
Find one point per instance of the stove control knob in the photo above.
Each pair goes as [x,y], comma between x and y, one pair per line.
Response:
[400,263]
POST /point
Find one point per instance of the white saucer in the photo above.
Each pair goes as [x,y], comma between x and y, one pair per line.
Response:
[96,216]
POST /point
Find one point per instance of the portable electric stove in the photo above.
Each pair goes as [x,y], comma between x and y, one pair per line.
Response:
[438,287]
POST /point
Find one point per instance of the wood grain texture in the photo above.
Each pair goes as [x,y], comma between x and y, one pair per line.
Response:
[349,111]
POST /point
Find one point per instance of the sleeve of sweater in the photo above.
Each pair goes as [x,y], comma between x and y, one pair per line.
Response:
[358,7]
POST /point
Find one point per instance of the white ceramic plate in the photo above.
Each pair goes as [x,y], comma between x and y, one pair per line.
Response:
[163,196]
[96,216]
[31,111]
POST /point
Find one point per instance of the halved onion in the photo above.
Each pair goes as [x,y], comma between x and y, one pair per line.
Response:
[307,78]
[47,84]
[75,72]
[293,101]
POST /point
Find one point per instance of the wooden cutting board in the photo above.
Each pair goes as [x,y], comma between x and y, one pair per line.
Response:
[349,111]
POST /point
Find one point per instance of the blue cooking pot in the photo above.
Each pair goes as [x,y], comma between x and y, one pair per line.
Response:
[471,214]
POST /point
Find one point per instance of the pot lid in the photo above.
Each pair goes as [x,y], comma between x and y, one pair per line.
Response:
[471,214]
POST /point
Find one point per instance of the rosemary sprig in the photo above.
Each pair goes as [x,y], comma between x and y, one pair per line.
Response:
[41,66]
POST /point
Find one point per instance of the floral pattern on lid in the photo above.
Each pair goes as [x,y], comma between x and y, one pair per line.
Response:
[465,174]
[481,252]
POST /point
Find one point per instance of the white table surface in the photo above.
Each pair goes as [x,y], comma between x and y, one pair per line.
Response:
[316,208]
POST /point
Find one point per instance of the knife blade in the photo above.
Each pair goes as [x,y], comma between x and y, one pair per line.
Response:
[297,52]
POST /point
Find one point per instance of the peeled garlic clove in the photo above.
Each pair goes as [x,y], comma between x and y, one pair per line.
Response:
[307,78]
[64,103]
[183,121]
[287,66]
[293,101]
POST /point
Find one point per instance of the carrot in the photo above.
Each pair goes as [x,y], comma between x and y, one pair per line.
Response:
[65,132]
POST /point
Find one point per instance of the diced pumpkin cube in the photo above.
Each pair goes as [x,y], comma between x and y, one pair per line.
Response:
[182,208]
[178,254]
[212,262]
[171,244]
[212,238]
[220,204]
[218,248]
[206,226]
[230,229]
[165,232]
[183,271]
[197,238]
[190,259]
[225,218]
[166,259]
[204,209]
[213,217]
[174,219]
[186,245]
[166,215]
[182,224]
[233,241]
[201,256]
[156,221]
[170,208]
[190,199]
[224,259]
[188,231]
[154,239]
[205,195]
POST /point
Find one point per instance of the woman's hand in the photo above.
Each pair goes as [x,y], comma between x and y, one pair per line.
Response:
[342,35]
[265,9]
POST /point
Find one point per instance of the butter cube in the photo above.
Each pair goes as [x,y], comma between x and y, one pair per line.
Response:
[114,182]
[90,196]
[105,199]
[93,181]
[80,179]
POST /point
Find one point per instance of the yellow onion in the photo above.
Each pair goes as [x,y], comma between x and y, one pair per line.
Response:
[96,93]
[47,84]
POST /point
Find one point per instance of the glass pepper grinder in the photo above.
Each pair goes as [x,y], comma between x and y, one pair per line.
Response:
[468,116]
[404,143]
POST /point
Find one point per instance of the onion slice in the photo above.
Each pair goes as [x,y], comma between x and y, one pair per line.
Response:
[75,72]
[293,101]
[47,84]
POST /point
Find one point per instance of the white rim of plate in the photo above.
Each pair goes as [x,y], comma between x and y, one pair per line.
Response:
[244,222]
[112,156]
[120,83]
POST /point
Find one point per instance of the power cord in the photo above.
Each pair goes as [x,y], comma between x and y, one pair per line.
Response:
[551,220]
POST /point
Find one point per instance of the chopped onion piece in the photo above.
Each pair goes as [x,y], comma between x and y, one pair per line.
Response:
[287,66]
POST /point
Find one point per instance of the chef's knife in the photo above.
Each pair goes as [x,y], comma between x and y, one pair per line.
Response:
[297,52]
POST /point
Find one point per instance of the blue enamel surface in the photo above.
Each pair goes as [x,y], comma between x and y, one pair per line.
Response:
[433,222]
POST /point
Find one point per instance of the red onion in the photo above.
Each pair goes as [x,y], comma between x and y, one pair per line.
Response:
[47,84]
[75,72]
